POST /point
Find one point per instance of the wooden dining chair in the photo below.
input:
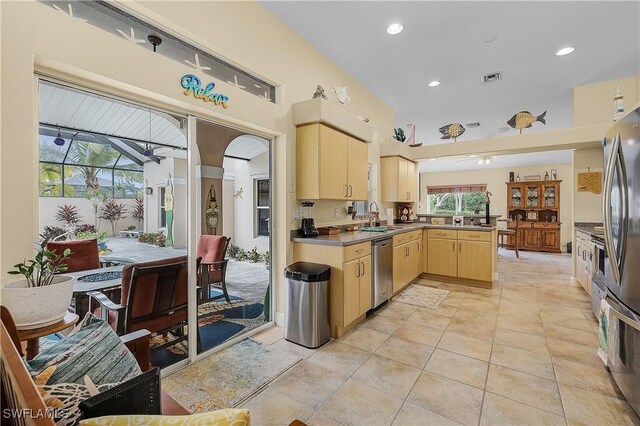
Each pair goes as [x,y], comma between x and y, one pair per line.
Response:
[84,254]
[211,267]
[154,297]
[507,232]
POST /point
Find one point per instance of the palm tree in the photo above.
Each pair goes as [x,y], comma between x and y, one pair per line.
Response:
[92,157]
[51,182]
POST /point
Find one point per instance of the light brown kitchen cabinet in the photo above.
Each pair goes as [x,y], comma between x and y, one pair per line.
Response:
[352,290]
[330,165]
[350,282]
[407,258]
[443,257]
[461,254]
[365,281]
[473,258]
[399,179]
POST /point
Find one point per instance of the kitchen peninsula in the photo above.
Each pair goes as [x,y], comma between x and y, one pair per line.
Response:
[458,254]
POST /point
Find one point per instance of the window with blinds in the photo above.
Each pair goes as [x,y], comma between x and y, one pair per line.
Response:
[456,199]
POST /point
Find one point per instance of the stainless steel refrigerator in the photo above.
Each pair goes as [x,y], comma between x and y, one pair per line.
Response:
[621,202]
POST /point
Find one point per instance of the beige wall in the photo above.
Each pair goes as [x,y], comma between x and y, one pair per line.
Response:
[243,31]
[245,173]
[495,180]
[593,103]
[587,206]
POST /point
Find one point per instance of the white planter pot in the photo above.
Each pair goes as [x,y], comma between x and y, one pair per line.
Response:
[33,307]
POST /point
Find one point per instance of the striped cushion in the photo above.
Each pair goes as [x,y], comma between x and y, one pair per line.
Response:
[92,353]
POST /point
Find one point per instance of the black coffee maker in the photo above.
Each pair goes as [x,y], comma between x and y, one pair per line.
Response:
[307,226]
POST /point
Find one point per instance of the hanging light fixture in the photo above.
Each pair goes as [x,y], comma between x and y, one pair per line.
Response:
[147,150]
[59,140]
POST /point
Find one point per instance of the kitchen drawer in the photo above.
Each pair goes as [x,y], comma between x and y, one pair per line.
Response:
[401,239]
[357,250]
[415,235]
[474,235]
[443,233]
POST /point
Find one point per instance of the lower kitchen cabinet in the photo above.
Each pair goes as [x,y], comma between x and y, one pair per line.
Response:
[474,260]
[352,290]
[365,285]
[407,259]
[350,283]
[461,254]
[443,257]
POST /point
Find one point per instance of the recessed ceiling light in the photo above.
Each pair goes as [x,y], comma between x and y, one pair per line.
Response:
[472,155]
[565,51]
[433,83]
[395,28]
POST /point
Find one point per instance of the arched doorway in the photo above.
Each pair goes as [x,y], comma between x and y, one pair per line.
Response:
[235,190]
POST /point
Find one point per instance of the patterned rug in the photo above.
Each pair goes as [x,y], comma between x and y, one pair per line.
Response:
[218,322]
[227,378]
[427,297]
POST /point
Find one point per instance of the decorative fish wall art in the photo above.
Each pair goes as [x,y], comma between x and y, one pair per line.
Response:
[524,119]
[451,131]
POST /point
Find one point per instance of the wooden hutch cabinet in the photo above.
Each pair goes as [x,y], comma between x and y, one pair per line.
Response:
[536,205]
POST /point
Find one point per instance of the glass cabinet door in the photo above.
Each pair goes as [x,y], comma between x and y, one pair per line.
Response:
[515,197]
[550,196]
[533,195]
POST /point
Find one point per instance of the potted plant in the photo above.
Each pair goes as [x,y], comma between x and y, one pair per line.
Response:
[43,296]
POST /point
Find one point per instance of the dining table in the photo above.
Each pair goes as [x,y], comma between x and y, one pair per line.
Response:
[105,280]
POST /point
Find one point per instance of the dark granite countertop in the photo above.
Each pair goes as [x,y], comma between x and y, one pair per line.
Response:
[350,238]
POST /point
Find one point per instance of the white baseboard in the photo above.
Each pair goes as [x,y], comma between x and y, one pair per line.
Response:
[575,282]
[279,319]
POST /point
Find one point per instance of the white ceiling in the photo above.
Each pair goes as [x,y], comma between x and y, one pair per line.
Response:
[246,147]
[67,107]
[458,163]
[444,41]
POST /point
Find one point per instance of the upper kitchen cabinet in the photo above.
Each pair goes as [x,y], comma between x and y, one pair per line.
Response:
[399,179]
[330,165]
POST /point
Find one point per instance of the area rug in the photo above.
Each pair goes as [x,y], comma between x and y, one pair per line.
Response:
[218,322]
[426,297]
[227,378]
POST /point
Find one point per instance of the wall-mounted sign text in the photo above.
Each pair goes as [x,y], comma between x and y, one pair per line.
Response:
[192,85]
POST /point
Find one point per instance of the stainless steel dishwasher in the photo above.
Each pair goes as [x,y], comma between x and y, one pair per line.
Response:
[382,271]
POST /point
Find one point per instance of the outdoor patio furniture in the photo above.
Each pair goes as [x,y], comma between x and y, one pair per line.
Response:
[153,297]
[84,254]
[211,267]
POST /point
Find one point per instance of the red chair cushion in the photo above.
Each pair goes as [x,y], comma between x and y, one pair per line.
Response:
[211,248]
[84,254]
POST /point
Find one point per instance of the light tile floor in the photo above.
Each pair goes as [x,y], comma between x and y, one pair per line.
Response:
[523,352]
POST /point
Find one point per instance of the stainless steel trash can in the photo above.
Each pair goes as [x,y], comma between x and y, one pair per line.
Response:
[307,304]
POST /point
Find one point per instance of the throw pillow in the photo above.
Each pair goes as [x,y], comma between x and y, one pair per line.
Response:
[93,350]
[226,417]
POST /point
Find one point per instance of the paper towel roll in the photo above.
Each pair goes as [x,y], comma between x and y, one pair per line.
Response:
[390,216]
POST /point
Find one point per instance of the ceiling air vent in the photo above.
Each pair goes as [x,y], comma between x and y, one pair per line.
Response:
[494,76]
[472,125]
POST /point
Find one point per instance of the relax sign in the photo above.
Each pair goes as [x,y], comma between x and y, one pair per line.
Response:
[192,85]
